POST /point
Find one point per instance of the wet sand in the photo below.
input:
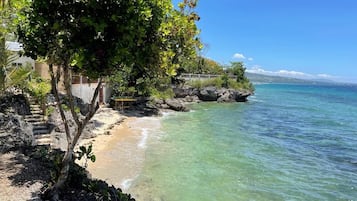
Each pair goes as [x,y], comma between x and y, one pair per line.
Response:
[120,156]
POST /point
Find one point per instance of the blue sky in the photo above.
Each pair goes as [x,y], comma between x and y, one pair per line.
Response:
[301,38]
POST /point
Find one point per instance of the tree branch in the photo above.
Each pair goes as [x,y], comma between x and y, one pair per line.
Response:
[93,107]
[68,84]
[55,91]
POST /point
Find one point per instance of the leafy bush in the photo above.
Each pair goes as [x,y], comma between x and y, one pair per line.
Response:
[39,88]
[66,108]
[165,94]
[222,81]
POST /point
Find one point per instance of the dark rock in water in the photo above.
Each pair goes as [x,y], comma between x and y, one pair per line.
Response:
[176,105]
[208,94]
[15,133]
[226,95]
[242,96]
[212,94]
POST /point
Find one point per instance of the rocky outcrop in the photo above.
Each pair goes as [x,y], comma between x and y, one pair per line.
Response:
[189,94]
[231,95]
[208,94]
[185,91]
[177,105]
[173,104]
[16,104]
[242,96]
[14,132]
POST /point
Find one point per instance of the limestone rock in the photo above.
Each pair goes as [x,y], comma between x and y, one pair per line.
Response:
[176,105]
[208,94]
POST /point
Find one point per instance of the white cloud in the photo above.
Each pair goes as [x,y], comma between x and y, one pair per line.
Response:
[250,59]
[289,73]
[259,70]
[325,76]
[292,73]
[238,56]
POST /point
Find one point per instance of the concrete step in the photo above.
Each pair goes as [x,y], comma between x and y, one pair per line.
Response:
[40,127]
[40,131]
[39,136]
[44,141]
[37,112]
[34,120]
[39,123]
[34,117]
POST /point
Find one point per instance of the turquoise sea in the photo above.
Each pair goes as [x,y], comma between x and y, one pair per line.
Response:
[288,142]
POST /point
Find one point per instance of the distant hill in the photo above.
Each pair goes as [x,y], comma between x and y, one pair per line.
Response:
[260,78]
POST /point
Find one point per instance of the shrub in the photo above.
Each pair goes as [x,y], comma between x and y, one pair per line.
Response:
[165,94]
[223,81]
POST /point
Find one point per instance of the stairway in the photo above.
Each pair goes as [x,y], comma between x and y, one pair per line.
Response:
[40,128]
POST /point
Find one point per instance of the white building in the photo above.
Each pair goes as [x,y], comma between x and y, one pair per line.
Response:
[16,47]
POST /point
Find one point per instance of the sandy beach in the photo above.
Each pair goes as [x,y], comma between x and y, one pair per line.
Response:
[120,155]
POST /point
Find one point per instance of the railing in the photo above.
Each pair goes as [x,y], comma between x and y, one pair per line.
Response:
[190,76]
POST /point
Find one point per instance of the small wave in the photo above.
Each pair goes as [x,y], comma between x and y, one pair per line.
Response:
[126,184]
[255,99]
[144,134]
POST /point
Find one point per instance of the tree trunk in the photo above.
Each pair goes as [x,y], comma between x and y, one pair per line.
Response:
[68,159]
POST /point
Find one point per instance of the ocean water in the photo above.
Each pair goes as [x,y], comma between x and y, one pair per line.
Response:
[288,142]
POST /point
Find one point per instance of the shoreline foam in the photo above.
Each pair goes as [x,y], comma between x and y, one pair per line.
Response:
[121,155]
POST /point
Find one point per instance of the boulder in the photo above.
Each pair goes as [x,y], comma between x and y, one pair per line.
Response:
[191,99]
[227,95]
[176,105]
[14,132]
[242,96]
[14,103]
[185,91]
[208,94]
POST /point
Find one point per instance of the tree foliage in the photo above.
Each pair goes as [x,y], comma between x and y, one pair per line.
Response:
[94,38]
[9,18]
[178,42]
[238,69]
[202,65]
[180,37]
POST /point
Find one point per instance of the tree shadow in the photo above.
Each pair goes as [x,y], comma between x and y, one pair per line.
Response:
[21,169]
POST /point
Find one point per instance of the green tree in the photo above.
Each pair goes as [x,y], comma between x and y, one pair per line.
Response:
[203,65]
[178,42]
[93,38]
[9,18]
[238,69]
[180,37]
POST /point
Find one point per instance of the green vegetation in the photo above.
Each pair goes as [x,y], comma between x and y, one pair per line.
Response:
[10,76]
[39,88]
[202,65]
[141,40]
[78,186]
[240,82]
[222,82]
[86,153]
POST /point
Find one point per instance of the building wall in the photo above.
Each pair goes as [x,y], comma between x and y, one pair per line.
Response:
[85,91]
[24,61]
[80,86]
[43,70]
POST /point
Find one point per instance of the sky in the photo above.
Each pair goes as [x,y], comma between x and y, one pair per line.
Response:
[315,39]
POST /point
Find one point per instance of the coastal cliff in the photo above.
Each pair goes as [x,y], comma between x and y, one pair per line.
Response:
[184,95]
